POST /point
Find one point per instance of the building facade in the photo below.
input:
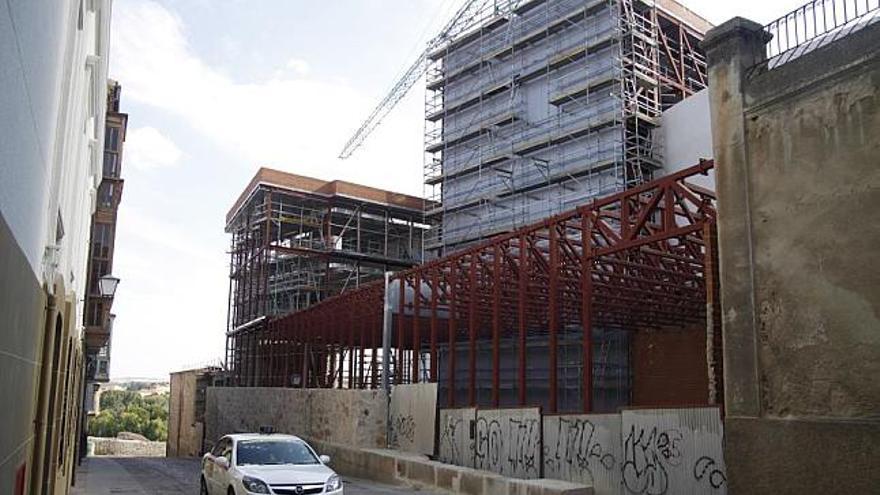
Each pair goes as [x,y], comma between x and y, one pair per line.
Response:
[97,319]
[54,72]
[542,105]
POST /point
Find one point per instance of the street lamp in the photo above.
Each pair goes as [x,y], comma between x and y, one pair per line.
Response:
[107,285]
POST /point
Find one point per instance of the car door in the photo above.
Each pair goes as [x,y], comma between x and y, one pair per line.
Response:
[224,475]
[214,473]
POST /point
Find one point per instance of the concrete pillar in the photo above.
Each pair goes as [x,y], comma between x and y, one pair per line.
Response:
[731,50]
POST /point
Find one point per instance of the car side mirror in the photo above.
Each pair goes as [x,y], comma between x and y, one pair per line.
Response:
[325,459]
[222,462]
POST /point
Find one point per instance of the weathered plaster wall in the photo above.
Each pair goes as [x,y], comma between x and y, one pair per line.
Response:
[350,417]
[797,152]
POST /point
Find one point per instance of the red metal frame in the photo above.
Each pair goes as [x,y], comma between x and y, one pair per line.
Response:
[643,267]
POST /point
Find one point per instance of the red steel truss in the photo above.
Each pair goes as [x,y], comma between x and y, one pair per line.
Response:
[633,260]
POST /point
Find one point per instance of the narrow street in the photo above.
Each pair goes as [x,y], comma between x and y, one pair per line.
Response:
[172,476]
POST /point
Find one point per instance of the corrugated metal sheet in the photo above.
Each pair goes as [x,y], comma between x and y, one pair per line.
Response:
[673,451]
[584,448]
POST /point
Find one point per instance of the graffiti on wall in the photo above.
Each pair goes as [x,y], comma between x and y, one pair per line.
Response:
[582,449]
[639,452]
[413,409]
[508,442]
[670,451]
[454,439]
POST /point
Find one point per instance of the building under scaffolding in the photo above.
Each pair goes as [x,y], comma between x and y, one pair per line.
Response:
[600,307]
[541,105]
[297,240]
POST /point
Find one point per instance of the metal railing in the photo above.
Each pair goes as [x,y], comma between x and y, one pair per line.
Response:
[816,24]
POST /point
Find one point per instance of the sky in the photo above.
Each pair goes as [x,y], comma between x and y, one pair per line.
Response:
[214,89]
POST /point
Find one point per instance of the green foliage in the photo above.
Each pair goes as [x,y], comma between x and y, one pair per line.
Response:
[125,410]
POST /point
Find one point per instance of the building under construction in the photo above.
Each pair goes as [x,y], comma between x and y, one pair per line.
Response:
[537,106]
[297,240]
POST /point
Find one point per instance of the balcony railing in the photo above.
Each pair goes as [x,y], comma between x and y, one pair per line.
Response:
[816,24]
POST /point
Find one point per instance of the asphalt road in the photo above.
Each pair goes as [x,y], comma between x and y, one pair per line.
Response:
[172,476]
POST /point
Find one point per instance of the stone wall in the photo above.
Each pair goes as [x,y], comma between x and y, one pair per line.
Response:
[796,149]
[125,448]
[348,417]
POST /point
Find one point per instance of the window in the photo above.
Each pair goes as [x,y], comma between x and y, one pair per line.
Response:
[273,452]
[111,164]
[111,139]
[102,368]
[99,269]
[102,238]
[96,314]
[105,194]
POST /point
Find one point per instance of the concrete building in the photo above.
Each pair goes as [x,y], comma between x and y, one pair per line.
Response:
[797,140]
[54,78]
[186,410]
[542,105]
[298,240]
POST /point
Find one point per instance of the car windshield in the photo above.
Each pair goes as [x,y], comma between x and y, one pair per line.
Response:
[270,452]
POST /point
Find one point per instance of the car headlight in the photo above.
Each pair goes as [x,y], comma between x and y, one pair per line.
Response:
[333,484]
[254,485]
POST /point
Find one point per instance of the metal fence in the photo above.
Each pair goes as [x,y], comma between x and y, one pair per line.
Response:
[816,24]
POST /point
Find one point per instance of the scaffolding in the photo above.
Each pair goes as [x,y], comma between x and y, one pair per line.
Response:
[298,240]
[540,316]
[541,105]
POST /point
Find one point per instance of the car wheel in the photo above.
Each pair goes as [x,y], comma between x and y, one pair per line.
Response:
[203,487]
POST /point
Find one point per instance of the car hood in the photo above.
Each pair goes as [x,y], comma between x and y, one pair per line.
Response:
[289,474]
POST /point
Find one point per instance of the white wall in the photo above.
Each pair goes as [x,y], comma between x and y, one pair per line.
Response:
[685,135]
[53,74]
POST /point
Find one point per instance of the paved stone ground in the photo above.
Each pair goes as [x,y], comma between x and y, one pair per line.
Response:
[171,476]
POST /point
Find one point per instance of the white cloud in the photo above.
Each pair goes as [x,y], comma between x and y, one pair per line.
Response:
[279,121]
[147,148]
[299,66]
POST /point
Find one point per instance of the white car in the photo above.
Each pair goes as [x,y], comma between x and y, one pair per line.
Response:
[266,463]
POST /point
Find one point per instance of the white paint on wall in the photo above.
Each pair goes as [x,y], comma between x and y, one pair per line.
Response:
[54,78]
[685,136]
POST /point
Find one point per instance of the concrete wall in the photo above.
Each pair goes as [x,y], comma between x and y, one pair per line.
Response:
[413,418]
[350,417]
[455,438]
[796,150]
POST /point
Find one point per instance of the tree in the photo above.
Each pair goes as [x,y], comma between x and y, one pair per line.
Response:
[125,410]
